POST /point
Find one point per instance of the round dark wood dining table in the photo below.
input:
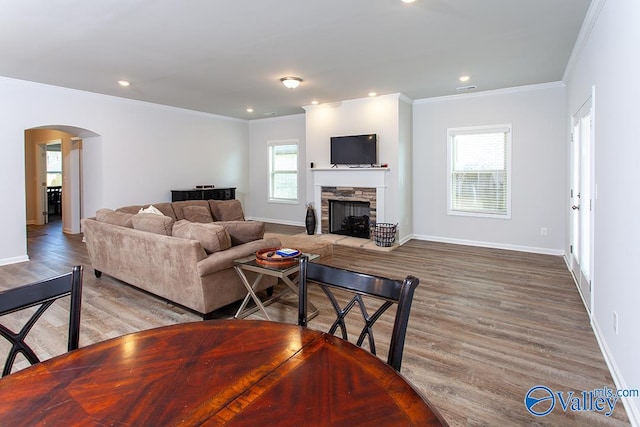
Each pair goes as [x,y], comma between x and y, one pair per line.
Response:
[219,372]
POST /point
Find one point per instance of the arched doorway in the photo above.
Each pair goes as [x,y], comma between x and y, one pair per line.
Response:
[71,141]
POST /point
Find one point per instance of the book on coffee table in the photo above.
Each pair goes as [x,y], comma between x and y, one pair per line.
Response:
[286,252]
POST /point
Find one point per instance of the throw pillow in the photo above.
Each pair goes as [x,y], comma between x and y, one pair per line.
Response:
[197,214]
[178,207]
[153,223]
[212,237]
[226,210]
[116,218]
[151,209]
[243,231]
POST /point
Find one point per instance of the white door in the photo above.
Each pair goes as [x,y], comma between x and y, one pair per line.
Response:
[582,200]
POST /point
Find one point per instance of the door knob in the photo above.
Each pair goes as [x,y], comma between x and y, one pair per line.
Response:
[574,207]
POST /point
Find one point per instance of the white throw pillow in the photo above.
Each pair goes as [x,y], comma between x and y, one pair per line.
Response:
[151,209]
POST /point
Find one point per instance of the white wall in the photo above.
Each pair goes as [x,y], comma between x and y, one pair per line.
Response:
[143,151]
[258,206]
[539,158]
[379,115]
[405,169]
[608,59]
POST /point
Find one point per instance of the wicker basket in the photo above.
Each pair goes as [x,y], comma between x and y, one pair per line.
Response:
[384,234]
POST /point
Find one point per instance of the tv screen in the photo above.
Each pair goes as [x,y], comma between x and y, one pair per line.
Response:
[354,150]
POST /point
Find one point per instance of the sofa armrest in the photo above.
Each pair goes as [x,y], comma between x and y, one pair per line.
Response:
[224,259]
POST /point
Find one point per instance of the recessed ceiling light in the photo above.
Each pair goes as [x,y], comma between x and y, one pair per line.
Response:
[408,1]
[123,83]
[373,93]
[249,110]
[464,78]
[314,102]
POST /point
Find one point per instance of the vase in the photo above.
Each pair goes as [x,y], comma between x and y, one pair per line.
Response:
[310,221]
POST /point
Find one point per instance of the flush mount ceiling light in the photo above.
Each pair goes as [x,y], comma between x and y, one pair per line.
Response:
[291,82]
[123,83]
[464,78]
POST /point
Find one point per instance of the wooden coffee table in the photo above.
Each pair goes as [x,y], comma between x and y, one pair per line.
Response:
[287,275]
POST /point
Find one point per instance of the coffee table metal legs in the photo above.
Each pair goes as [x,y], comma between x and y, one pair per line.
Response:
[241,313]
[260,305]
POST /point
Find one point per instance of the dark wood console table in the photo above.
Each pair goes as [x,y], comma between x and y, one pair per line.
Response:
[204,194]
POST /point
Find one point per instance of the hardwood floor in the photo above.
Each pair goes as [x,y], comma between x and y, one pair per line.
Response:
[486,325]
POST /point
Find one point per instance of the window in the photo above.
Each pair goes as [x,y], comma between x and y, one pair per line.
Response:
[479,171]
[283,171]
[54,168]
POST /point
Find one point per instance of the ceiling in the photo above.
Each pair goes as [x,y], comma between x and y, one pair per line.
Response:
[223,56]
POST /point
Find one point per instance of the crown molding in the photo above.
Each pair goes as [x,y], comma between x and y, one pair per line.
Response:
[583,36]
[509,90]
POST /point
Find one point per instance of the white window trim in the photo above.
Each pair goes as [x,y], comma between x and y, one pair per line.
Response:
[451,132]
[270,175]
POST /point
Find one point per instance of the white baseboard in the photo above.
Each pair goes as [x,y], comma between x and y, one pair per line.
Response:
[276,221]
[493,245]
[14,260]
[630,405]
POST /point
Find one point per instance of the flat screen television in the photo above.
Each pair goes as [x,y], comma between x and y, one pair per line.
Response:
[354,150]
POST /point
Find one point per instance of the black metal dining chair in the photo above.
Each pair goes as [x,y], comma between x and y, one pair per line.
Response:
[43,293]
[398,292]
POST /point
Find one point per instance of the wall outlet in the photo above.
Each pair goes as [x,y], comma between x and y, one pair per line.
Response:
[544,231]
[615,322]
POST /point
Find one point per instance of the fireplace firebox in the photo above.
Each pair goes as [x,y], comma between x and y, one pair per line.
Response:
[349,218]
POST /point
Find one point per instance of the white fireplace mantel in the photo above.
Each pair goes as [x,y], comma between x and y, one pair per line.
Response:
[350,177]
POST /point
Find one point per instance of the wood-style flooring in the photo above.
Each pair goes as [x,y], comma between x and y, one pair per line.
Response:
[486,325]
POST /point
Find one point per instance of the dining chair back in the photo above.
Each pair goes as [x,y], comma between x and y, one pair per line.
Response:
[43,293]
[389,291]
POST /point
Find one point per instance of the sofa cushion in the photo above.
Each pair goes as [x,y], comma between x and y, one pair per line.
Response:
[153,223]
[178,207]
[243,231]
[212,237]
[109,216]
[197,214]
[226,210]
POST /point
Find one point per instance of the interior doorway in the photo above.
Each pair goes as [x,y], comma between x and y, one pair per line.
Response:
[71,175]
[52,192]
[582,190]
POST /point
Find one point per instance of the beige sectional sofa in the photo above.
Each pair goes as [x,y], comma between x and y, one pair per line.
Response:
[181,251]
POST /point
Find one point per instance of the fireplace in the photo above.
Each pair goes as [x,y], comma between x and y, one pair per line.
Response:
[349,218]
[367,185]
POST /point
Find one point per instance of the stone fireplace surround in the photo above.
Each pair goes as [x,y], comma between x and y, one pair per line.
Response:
[351,194]
[358,184]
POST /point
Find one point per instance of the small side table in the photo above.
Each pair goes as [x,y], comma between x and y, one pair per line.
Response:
[285,274]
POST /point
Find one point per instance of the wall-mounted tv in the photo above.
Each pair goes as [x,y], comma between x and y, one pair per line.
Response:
[354,150]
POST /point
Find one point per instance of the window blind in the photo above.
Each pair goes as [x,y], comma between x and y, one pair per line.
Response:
[479,171]
[283,165]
